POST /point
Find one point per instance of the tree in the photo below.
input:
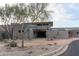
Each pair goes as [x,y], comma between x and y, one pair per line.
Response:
[34,11]
[16,13]
[6,18]
[38,12]
[21,15]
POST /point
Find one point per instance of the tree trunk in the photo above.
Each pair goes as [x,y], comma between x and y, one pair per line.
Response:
[22,43]
[22,34]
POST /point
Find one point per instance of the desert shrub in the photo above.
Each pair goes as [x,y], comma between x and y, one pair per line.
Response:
[12,44]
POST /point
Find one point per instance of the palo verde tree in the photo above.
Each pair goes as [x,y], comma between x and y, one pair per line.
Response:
[34,11]
[21,15]
[6,18]
[38,12]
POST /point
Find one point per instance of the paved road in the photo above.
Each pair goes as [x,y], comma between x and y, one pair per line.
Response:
[73,49]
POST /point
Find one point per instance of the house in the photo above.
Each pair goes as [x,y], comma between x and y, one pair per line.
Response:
[73,32]
[38,30]
[31,30]
[57,33]
[63,33]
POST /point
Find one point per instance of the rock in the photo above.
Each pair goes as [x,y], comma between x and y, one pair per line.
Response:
[44,48]
[50,44]
[55,43]
[30,52]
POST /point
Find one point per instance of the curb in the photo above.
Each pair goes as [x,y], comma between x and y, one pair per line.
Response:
[61,51]
[57,52]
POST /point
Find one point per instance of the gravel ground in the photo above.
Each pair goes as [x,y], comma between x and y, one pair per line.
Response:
[33,48]
[32,51]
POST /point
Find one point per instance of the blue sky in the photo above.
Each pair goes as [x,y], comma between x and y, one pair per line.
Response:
[65,23]
[65,15]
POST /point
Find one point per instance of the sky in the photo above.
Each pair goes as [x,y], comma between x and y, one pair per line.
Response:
[65,14]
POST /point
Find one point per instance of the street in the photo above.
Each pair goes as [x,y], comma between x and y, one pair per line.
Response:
[73,49]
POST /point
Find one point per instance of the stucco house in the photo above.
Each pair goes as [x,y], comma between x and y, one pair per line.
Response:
[57,33]
[73,32]
[31,30]
[38,30]
[63,33]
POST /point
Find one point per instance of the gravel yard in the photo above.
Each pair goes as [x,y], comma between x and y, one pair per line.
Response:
[32,48]
[33,51]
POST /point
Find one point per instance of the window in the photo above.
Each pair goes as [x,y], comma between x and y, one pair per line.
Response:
[19,31]
[22,30]
[45,24]
[77,32]
[39,24]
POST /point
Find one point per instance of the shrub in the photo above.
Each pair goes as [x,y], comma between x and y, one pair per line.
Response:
[13,44]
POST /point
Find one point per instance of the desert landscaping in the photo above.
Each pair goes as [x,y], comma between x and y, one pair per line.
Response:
[36,47]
